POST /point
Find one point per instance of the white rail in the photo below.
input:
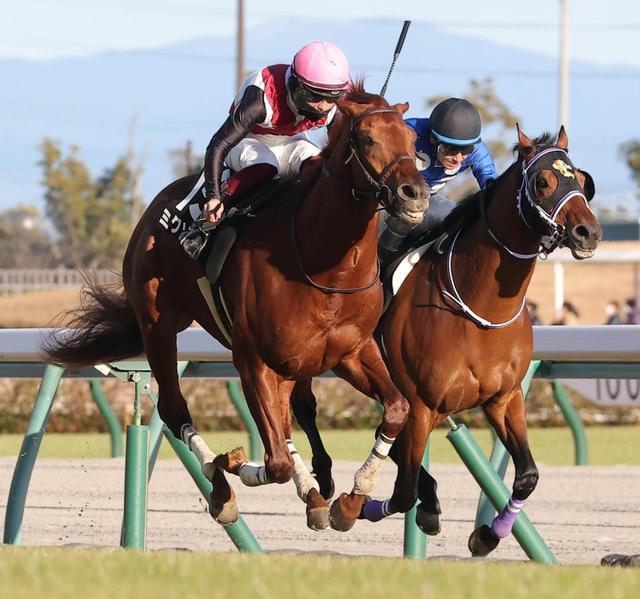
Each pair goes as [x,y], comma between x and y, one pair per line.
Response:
[620,343]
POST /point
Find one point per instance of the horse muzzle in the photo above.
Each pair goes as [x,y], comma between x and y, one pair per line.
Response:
[412,201]
[583,239]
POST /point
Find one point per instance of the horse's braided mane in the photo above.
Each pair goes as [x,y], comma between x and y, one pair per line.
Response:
[467,211]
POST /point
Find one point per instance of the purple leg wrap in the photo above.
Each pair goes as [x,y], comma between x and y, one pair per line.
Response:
[504,521]
[375,510]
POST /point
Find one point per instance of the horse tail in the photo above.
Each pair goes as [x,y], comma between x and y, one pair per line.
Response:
[103,329]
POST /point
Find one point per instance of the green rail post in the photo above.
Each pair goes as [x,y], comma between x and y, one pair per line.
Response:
[109,416]
[256,452]
[574,421]
[500,456]
[136,476]
[238,532]
[29,453]
[497,491]
[415,541]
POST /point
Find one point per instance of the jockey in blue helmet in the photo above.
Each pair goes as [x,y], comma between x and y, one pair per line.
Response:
[448,142]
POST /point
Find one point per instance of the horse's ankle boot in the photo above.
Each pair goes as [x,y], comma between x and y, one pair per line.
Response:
[391,238]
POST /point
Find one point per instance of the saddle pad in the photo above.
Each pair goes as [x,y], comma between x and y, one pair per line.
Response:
[179,214]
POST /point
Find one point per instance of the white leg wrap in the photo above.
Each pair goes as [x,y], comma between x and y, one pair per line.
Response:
[196,444]
[253,475]
[367,474]
[302,478]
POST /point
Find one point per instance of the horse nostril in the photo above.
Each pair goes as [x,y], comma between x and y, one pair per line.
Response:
[408,191]
[581,232]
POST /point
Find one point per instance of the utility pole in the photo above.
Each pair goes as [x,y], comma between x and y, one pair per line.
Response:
[240,45]
[563,80]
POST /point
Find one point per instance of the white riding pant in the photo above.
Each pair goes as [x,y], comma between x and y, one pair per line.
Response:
[284,152]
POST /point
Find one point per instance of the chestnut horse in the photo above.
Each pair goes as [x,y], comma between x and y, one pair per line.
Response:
[456,334]
[302,291]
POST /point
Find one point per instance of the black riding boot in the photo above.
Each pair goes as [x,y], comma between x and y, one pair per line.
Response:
[393,233]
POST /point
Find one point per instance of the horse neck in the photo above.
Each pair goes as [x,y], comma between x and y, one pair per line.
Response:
[332,219]
[496,282]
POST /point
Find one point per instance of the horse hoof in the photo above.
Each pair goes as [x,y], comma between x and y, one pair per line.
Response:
[428,522]
[224,513]
[338,520]
[621,561]
[318,518]
[482,541]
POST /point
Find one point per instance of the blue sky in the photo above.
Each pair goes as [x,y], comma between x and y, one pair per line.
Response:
[605,32]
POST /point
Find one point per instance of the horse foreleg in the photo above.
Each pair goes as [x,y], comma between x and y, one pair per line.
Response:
[407,452]
[303,404]
[507,416]
[366,371]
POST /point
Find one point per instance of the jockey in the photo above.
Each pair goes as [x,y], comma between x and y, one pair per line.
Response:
[265,132]
[447,143]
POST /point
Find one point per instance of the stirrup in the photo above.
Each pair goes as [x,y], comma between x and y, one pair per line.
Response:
[195,237]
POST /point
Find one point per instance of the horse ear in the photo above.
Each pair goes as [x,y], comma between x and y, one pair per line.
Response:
[563,139]
[525,145]
[352,109]
[401,108]
[588,186]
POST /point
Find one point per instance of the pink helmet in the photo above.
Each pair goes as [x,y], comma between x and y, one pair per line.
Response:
[322,65]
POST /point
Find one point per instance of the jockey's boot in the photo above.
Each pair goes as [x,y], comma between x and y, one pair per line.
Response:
[195,238]
[393,233]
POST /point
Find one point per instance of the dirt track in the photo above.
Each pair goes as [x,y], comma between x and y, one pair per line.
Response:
[581,512]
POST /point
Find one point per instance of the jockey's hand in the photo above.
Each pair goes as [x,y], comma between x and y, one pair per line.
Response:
[212,210]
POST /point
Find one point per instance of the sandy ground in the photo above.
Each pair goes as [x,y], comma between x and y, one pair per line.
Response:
[581,512]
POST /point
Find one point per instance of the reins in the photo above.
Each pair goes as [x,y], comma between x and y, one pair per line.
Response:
[381,192]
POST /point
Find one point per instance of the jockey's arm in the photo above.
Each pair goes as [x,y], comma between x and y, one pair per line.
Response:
[482,165]
[245,115]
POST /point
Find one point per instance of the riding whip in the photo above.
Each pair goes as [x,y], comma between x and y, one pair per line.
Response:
[403,34]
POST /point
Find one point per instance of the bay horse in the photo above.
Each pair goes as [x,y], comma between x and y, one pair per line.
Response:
[302,291]
[457,334]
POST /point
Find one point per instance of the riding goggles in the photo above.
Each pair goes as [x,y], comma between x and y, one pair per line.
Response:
[313,95]
[453,150]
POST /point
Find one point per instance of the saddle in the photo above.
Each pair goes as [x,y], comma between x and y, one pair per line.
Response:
[183,214]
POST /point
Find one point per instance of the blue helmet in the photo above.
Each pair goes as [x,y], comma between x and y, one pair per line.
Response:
[455,121]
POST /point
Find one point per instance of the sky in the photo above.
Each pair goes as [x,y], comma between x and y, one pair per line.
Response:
[604,32]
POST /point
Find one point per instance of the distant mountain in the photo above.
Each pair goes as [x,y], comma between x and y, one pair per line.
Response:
[183,91]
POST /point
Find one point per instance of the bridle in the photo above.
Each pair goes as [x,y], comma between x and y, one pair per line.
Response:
[539,217]
[377,189]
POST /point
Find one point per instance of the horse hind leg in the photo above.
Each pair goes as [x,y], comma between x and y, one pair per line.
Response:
[507,416]
[303,404]
[161,349]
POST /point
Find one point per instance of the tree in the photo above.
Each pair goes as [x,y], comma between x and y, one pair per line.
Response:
[91,217]
[24,243]
[630,153]
[184,162]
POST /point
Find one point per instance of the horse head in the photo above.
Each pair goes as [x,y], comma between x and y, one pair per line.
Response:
[554,197]
[381,151]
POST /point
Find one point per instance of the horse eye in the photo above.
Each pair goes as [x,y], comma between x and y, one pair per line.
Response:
[366,141]
[542,183]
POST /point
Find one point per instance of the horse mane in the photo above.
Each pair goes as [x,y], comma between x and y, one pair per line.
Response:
[467,212]
[357,95]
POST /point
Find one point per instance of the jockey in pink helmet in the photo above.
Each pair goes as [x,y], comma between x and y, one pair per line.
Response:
[265,133]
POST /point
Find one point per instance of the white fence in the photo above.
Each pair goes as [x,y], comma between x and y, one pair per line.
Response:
[20,280]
